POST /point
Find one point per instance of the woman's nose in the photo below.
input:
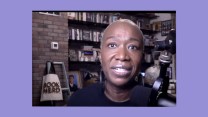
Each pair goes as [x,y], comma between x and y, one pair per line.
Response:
[122,54]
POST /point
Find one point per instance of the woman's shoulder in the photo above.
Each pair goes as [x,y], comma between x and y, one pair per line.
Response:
[141,95]
[86,95]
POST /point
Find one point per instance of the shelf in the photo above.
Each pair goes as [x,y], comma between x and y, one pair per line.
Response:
[148,31]
[143,14]
[102,26]
[86,66]
[86,23]
[85,62]
[83,41]
[97,44]
[77,44]
[147,15]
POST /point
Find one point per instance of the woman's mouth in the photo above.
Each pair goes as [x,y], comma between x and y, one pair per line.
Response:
[121,71]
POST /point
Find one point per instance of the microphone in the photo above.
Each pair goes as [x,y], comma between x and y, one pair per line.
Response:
[168,44]
[159,95]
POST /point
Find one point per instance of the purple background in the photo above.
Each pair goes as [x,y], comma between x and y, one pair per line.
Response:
[16,57]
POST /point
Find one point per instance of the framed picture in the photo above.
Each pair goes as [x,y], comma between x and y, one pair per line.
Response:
[77,78]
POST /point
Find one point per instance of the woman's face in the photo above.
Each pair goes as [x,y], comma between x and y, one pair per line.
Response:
[121,53]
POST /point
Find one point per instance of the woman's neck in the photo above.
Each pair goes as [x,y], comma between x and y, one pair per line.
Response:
[116,94]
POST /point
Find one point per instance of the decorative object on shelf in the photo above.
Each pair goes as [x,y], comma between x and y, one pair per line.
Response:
[151,74]
[73,55]
[156,26]
[87,55]
[148,58]
[86,35]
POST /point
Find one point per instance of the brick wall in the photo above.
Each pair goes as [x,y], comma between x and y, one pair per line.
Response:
[45,29]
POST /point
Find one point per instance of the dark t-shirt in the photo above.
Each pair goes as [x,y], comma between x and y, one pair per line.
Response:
[94,96]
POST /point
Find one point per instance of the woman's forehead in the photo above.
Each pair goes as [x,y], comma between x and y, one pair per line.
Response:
[122,29]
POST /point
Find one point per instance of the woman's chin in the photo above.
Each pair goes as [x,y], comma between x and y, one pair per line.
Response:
[120,81]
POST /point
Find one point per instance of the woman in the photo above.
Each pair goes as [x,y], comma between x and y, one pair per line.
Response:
[121,55]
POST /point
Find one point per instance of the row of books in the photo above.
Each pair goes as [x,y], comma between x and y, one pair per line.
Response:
[107,18]
[85,35]
[103,18]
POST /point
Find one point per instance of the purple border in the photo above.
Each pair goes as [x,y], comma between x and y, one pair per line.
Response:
[16,57]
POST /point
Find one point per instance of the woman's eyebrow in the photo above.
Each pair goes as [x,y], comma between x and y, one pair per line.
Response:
[135,39]
[110,37]
[131,39]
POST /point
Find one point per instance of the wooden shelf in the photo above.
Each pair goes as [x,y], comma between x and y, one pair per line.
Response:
[82,65]
[78,43]
[83,62]
[148,31]
[86,23]
[83,41]
[143,14]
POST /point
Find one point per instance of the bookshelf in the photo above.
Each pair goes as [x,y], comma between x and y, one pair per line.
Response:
[85,33]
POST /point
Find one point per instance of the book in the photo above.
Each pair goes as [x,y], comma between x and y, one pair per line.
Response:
[88,17]
[84,16]
[86,35]
[73,34]
[99,36]
[94,36]
[77,35]
[80,34]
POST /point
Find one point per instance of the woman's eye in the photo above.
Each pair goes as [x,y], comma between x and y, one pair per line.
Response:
[132,47]
[111,45]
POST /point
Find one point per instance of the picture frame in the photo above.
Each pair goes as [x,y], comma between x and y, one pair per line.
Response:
[77,78]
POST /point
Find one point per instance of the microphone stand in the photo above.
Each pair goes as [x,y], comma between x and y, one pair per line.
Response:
[159,95]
